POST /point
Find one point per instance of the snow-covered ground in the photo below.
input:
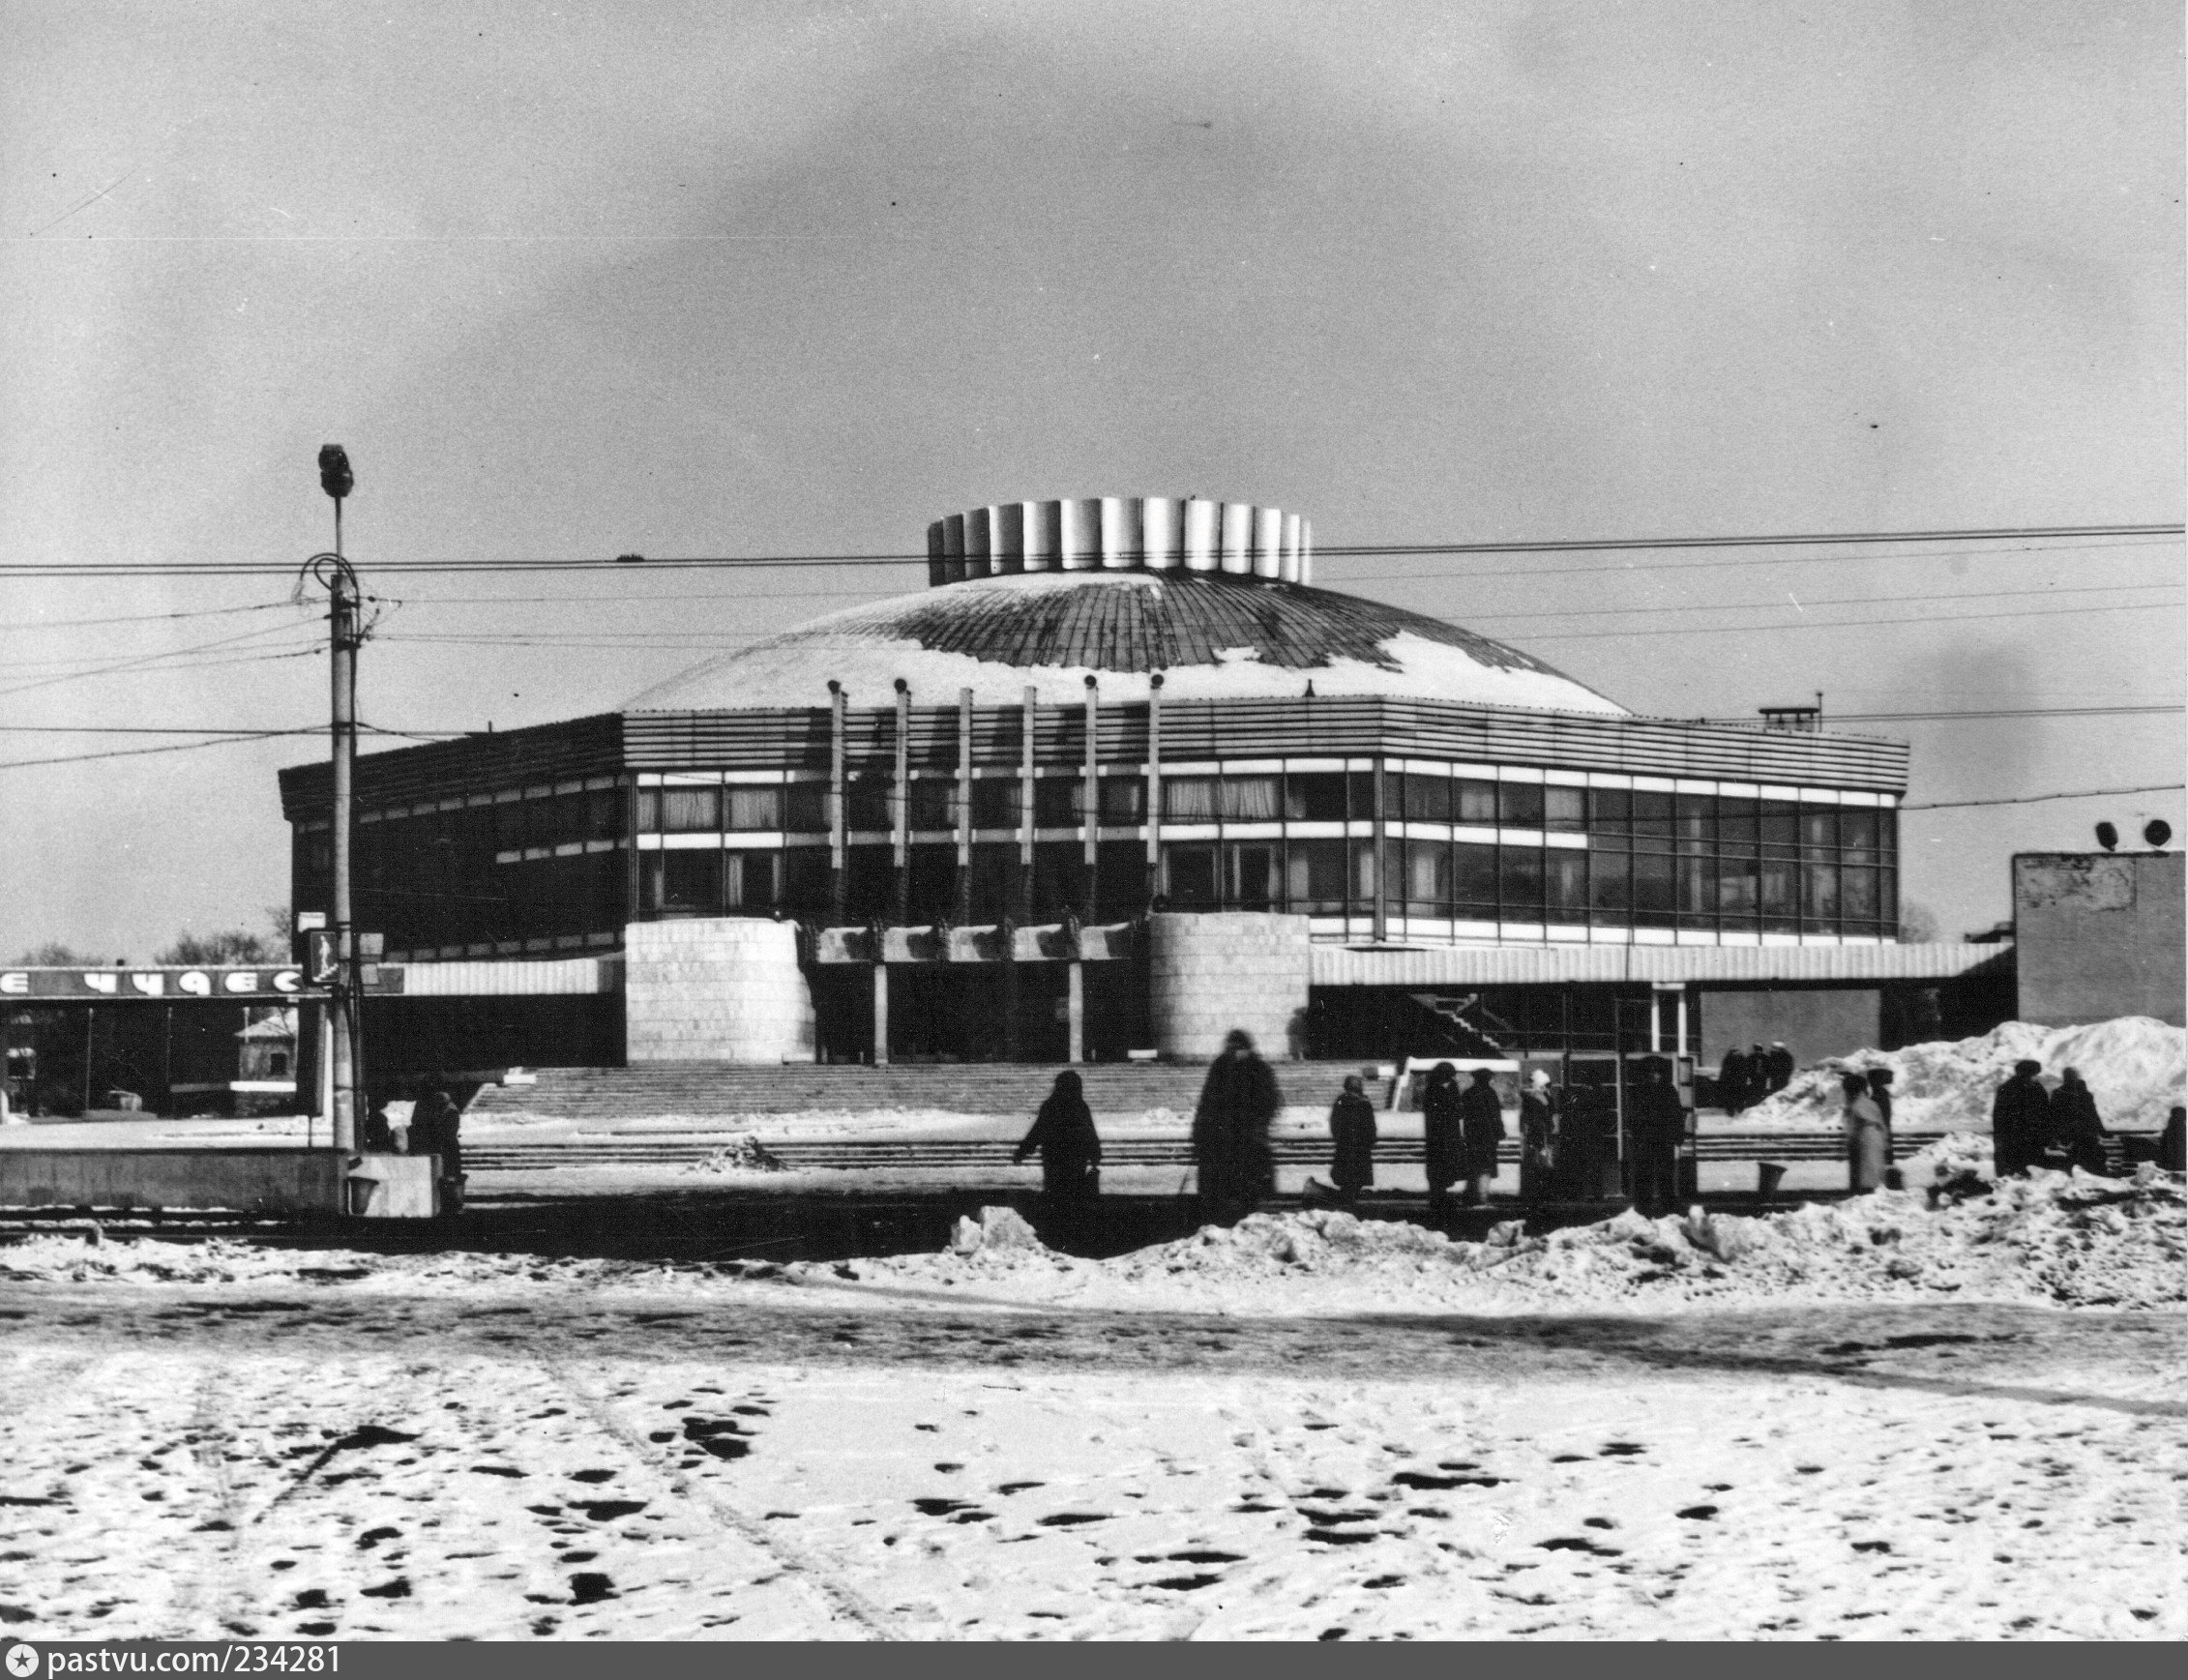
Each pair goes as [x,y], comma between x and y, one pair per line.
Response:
[1875,1420]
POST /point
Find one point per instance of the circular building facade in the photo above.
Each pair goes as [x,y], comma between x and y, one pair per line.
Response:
[1103,710]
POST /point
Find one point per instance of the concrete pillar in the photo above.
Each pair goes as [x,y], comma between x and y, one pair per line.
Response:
[1041,532]
[899,807]
[935,573]
[1201,519]
[978,546]
[1161,533]
[1268,542]
[1080,538]
[838,800]
[953,547]
[1027,716]
[880,1014]
[721,988]
[1006,536]
[1076,1013]
[1306,550]
[964,894]
[1154,785]
[1289,570]
[1121,546]
[1090,808]
[1207,974]
[1237,539]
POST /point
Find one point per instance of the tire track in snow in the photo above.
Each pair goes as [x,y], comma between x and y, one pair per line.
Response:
[840,1596]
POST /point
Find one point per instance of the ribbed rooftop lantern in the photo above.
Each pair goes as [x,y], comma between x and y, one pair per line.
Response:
[1121,534]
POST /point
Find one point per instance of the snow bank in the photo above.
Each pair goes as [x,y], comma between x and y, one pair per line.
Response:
[2136,1067]
[740,1152]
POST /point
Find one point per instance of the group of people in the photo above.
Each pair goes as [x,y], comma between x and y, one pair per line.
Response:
[2031,1127]
[436,1128]
[1565,1139]
[1744,1078]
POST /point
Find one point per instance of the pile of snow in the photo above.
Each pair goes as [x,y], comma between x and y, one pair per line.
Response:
[2062,1238]
[2136,1067]
[994,1229]
[741,1153]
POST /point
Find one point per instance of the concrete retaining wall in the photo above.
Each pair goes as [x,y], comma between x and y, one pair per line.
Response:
[273,1181]
[1208,974]
[725,989]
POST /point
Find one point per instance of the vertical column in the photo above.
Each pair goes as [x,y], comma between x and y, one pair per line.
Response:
[953,548]
[880,1009]
[1154,787]
[964,807]
[1268,543]
[1090,810]
[899,810]
[1042,535]
[1080,542]
[838,804]
[977,544]
[1006,536]
[1237,540]
[1076,1013]
[1025,806]
[1680,1048]
[1198,543]
[935,572]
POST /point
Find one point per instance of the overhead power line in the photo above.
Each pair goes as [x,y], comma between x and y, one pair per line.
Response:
[1593,545]
[2040,798]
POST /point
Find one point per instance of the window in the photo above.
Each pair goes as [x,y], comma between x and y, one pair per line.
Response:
[1857,899]
[1189,873]
[805,883]
[1474,881]
[805,807]
[691,810]
[867,807]
[995,881]
[1565,808]
[1249,799]
[1188,798]
[752,880]
[1121,880]
[1737,892]
[1857,834]
[1820,895]
[1315,874]
[1317,798]
[604,813]
[1055,802]
[1565,883]
[1610,810]
[1611,888]
[1475,803]
[649,809]
[1058,881]
[277,1064]
[931,891]
[1818,832]
[690,883]
[1428,876]
[1250,876]
[994,803]
[1519,804]
[1652,817]
[1426,799]
[1124,800]
[756,808]
[1520,878]
[934,803]
[1693,818]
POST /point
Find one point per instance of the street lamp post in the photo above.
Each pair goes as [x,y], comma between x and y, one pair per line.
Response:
[337,480]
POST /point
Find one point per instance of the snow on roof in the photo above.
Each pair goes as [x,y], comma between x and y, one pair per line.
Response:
[1211,636]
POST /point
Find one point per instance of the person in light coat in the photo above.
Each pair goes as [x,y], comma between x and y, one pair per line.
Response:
[1538,1137]
[1866,1153]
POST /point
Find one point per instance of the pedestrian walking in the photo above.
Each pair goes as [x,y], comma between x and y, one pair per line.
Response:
[1442,1136]
[1230,1132]
[1538,1137]
[2021,1121]
[1864,1121]
[1070,1148]
[1658,1126]
[1352,1140]
[2076,1127]
[1481,1124]
[1733,1081]
[436,1128]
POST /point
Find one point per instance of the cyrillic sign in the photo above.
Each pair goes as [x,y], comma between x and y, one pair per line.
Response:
[146,985]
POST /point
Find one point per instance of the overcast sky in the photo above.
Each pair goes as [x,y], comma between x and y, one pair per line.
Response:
[714,279]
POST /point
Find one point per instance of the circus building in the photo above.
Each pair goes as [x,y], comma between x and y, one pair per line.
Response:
[1120,778]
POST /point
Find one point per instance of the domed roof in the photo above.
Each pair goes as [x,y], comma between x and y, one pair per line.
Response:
[1211,634]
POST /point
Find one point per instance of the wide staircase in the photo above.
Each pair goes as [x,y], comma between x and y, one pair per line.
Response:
[723,1088]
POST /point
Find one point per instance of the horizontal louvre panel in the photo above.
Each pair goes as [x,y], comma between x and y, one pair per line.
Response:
[476,764]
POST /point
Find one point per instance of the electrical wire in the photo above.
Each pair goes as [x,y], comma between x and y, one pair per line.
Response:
[1630,545]
[141,660]
[2039,798]
[143,617]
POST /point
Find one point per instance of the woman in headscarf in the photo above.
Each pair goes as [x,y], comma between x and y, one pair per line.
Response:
[1352,1137]
[1071,1149]
[1443,1136]
[1538,1137]
[1866,1153]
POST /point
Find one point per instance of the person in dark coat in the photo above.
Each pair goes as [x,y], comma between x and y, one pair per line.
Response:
[1732,1081]
[1880,1094]
[2021,1119]
[1658,1126]
[1538,1137]
[436,1128]
[1071,1149]
[1230,1132]
[2173,1141]
[1481,1128]
[1442,1134]
[1778,1066]
[2077,1126]
[379,1134]
[1352,1139]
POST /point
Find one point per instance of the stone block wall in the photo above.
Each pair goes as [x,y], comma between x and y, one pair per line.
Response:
[719,990]
[1207,974]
